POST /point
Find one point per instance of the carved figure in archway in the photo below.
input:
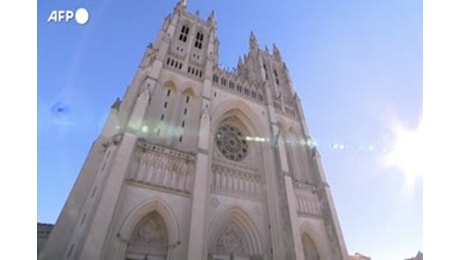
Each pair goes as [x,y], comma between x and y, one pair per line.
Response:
[149,238]
[230,242]
[151,232]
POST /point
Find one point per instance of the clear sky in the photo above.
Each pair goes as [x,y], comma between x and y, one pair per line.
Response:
[357,66]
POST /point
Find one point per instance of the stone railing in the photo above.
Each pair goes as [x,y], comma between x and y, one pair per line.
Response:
[232,82]
[236,182]
[307,199]
[162,167]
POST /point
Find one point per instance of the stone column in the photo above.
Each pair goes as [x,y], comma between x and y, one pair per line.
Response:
[200,191]
[99,228]
[328,207]
[292,200]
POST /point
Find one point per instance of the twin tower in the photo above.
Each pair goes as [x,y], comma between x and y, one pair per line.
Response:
[197,162]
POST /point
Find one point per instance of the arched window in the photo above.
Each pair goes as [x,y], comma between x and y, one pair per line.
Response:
[231,142]
[184,33]
[199,40]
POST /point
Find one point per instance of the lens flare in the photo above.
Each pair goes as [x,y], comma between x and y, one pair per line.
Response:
[407,152]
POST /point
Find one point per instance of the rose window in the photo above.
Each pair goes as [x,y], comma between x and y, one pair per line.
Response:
[231,143]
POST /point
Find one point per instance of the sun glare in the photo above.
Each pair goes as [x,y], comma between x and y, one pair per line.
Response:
[406,154]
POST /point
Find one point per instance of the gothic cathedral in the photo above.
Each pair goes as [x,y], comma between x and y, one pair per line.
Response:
[197,162]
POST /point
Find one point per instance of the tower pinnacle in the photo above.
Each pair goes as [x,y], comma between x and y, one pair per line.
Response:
[253,41]
[212,18]
[181,5]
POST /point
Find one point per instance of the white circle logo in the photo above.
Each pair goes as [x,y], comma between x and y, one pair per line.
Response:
[81,16]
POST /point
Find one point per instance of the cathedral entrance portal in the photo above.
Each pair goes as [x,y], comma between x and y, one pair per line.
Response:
[234,236]
[230,245]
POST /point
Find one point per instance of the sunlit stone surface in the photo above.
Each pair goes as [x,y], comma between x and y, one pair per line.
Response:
[197,162]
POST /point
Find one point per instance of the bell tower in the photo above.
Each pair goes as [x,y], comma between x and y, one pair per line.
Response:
[199,162]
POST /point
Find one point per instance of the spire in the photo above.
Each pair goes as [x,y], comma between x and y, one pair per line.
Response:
[181,6]
[276,52]
[116,104]
[212,18]
[253,42]
[240,63]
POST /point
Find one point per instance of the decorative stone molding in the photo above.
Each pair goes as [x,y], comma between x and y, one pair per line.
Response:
[305,186]
[237,83]
[231,242]
[151,228]
[236,182]
[233,232]
[150,232]
[114,140]
[214,202]
[162,167]
[220,159]
[307,202]
[146,146]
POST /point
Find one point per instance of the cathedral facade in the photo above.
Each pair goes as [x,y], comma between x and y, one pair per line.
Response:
[197,162]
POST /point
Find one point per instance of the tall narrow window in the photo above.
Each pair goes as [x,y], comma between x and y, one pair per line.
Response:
[185,111]
[166,104]
[169,92]
[276,77]
[184,33]
[261,98]
[187,99]
[239,88]
[199,40]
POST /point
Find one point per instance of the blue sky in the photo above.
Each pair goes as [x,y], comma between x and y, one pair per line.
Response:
[357,66]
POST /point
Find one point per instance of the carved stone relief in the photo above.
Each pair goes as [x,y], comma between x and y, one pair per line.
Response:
[159,169]
[307,202]
[232,181]
[214,202]
[149,238]
[151,231]
[231,242]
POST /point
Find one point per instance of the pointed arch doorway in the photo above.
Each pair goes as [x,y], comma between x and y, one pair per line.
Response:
[234,236]
[309,248]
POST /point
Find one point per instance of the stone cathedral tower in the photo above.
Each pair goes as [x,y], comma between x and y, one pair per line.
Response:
[197,162]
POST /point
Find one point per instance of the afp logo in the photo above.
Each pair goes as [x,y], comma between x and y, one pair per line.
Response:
[81,16]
